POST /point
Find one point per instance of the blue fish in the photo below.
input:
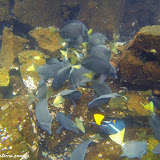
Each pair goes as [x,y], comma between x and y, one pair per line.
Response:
[134,149]
[101,51]
[50,69]
[43,115]
[77,77]
[42,89]
[65,122]
[100,66]
[97,38]
[74,32]
[61,76]
[101,89]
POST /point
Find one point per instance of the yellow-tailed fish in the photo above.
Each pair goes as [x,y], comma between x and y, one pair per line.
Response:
[98,118]
[31,68]
[149,106]
[58,100]
[79,125]
[118,137]
[89,75]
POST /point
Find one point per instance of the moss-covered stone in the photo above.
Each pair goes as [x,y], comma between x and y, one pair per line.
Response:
[4,77]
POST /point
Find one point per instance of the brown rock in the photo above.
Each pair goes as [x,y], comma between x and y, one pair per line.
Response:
[48,42]
[11,46]
[4,9]
[38,12]
[140,62]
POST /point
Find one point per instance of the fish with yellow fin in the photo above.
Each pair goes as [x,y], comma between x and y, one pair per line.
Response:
[154,121]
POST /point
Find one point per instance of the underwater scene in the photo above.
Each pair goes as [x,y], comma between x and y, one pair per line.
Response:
[80,80]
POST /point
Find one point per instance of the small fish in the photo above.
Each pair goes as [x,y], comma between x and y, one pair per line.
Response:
[43,115]
[61,76]
[77,77]
[65,122]
[75,32]
[42,89]
[71,94]
[50,69]
[79,152]
[134,149]
[154,120]
[101,100]
[79,125]
[156,150]
[101,89]
[101,51]
[96,39]
[99,66]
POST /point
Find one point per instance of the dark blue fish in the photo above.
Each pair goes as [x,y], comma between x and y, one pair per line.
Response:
[154,122]
[79,152]
[97,38]
[71,94]
[156,150]
[61,76]
[74,32]
[101,100]
[42,89]
[65,122]
[134,149]
[101,51]
[100,66]
[77,77]
[50,69]
[43,115]
[101,89]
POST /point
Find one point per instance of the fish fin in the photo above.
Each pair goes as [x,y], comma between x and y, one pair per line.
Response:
[77,66]
[84,45]
[90,32]
[74,105]
[118,137]
[149,106]
[31,98]
[31,68]
[100,109]
[74,60]
[64,53]
[98,118]
[69,116]
[79,124]
[89,75]
[97,136]
[58,100]
[59,130]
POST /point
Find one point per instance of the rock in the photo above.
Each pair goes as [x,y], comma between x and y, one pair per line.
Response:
[48,39]
[30,60]
[141,56]
[4,77]
[30,12]
[11,46]
[4,9]
[17,134]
